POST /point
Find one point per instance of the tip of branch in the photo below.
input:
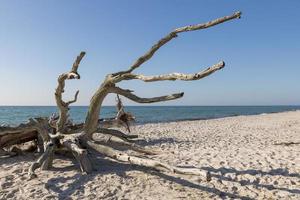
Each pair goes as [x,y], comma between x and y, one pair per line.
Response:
[219,65]
[238,14]
[222,64]
[78,76]
[82,53]
[73,75]
[177,95]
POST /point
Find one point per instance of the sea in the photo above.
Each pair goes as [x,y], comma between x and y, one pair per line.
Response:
[14,115]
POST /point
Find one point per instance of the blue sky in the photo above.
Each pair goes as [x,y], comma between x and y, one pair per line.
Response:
[40,39]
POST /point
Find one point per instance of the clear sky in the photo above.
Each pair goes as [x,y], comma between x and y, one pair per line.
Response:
[40,39]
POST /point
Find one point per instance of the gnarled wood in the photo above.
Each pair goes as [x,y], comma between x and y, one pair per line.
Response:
[172,35]
[108,86]
[124,117]
[120,142]
[146,162]
[116,133]
[51,141]
[61,104]
[80,154]
[175,76]
[59,133]
[24,132]
[45,156]
[133,97]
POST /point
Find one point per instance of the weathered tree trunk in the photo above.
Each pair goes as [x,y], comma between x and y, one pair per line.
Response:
[58,134]
[35,128]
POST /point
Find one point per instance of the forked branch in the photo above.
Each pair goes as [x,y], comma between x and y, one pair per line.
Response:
[108,86]
[61,104]
[175,76]
[133,97]
[173,34]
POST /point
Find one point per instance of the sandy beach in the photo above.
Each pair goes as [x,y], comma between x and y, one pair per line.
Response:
[240,152]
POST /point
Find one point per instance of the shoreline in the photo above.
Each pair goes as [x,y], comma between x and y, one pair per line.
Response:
[213,118]
[178,120]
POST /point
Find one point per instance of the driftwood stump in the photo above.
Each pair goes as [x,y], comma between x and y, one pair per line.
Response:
[58,134]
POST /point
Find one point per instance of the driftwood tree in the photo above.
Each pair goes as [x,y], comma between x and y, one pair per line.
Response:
[59,134]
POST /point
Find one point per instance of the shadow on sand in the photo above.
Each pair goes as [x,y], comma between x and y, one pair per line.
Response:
[119,169]
[108,167]
[274,172]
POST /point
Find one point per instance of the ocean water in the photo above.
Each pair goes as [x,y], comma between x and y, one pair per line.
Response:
[13,115]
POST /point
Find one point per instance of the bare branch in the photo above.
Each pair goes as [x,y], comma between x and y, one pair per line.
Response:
[75,98]
[133,97]
[175,76]
[120,107]
[111,140]
[92,117]
[116,133]
[172,35]
[124,117]
[77,62]
[236,15]
[108,86]
[63,106]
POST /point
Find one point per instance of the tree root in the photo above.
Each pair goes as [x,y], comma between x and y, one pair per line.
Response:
[80,154]
[146,162]
[112,140]
[44,160]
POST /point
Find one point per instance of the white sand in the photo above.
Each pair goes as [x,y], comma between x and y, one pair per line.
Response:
[239,151]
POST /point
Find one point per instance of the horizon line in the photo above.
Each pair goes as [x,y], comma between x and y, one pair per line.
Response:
[152,105]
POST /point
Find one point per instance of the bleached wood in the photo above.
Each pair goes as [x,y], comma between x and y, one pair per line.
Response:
[175,76]
[109,86]
[172,35]
[133,97]
[80,154]
[146,162]
[61,104]
[113,140]
[39,162]
[24,132]
[116,133]
[59,133]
